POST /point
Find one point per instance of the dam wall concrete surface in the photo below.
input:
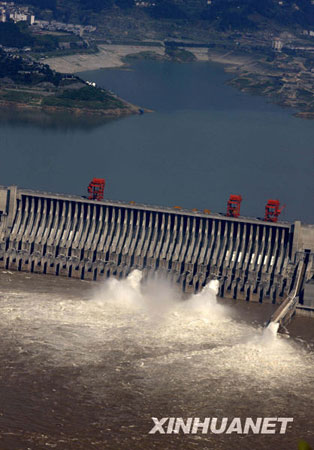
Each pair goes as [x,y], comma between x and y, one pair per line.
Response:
[75,237]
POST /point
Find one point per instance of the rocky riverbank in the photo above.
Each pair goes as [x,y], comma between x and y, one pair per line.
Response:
[282,77]
[285,78]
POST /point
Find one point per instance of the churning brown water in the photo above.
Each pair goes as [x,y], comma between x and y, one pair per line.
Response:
[87,366]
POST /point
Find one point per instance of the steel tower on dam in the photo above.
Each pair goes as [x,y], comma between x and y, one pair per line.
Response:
[75,237]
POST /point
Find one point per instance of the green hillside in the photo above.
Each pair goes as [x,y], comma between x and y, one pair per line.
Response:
[223,14]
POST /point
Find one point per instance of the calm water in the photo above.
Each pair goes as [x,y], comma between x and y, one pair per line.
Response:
[204,141]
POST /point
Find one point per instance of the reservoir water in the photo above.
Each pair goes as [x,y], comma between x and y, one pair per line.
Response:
[204,141]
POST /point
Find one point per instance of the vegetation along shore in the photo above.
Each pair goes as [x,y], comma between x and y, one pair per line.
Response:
[268,47]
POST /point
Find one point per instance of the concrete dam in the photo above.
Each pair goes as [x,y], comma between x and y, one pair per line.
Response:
[74,237]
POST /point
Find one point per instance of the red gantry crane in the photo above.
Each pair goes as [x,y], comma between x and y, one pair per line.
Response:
[233,206]
[273,210]
[96,189]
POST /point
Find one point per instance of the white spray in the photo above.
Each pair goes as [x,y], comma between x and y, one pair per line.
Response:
[148,324]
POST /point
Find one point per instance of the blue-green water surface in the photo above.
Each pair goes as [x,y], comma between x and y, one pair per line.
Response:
[204,141]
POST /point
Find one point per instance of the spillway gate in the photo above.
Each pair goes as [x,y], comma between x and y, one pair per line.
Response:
[71,236]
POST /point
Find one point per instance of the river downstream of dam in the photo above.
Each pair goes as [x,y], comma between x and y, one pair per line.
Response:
[87,366]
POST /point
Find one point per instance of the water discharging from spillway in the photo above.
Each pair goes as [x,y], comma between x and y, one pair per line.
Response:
[139,349]
[147,317]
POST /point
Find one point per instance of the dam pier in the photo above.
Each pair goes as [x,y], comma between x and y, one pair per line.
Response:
[72,236]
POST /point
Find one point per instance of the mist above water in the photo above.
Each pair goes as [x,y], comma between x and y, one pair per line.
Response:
[158,298]
[147,324]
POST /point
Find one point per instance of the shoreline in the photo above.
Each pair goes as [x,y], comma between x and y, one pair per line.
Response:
[33,87]
[251,74]
[261,74]
[75,111]
[111,56]
[108,57]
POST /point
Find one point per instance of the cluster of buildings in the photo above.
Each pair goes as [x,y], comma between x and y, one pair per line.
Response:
[308,33]
[277,45]
[17,13]
[53,25]
[144,4]
[10,11]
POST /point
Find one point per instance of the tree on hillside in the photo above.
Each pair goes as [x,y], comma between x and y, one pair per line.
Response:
[167,9]
[125,4]
[41,4]
[12,36]
[96,5]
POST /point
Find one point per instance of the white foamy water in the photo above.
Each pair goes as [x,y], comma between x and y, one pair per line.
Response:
[131,350]
[271,330]
[149,326]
